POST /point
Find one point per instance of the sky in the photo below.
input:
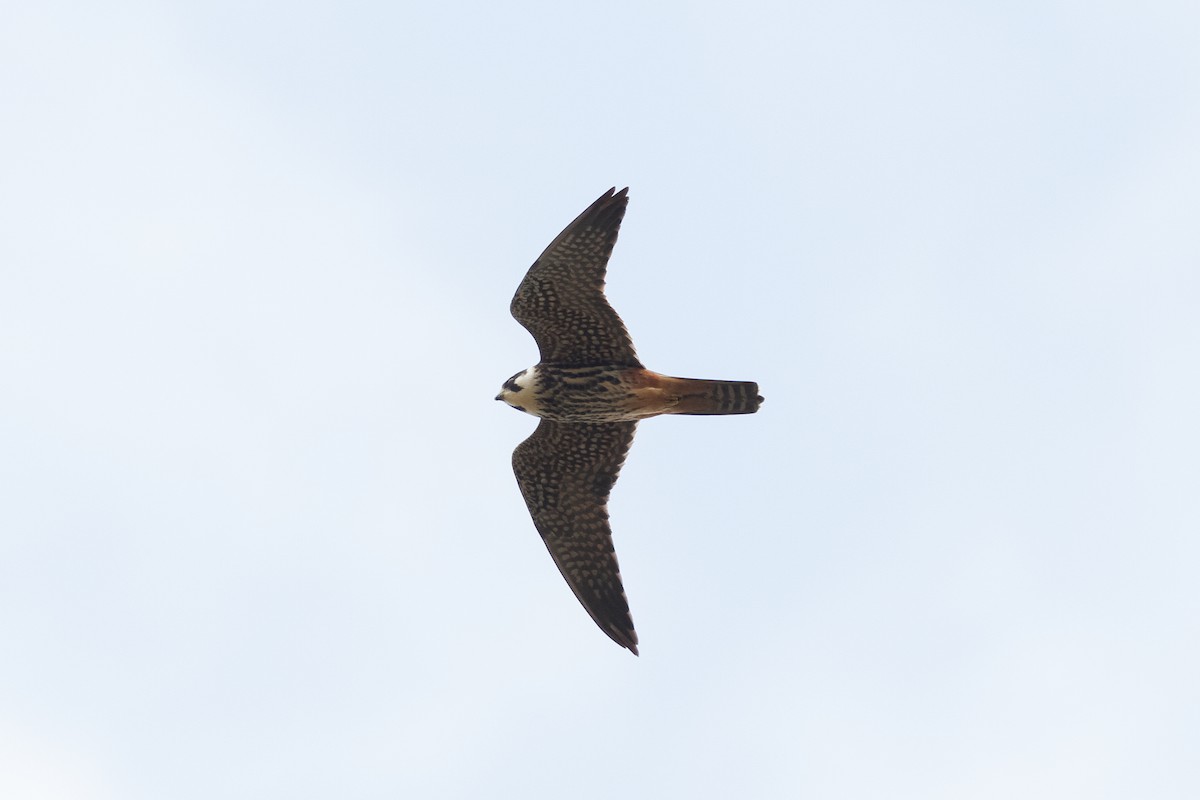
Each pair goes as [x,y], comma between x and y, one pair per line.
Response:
[259,535]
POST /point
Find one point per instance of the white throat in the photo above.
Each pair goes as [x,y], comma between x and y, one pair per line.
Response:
[524,396]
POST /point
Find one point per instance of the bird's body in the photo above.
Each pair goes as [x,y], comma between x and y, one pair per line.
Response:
[590,390]
[596,394]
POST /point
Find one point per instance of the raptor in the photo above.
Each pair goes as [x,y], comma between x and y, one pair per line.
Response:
[590,390]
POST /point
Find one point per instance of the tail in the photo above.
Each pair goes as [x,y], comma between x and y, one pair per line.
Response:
[715,397]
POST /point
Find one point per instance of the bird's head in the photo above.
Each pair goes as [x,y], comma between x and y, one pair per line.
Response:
[518,391]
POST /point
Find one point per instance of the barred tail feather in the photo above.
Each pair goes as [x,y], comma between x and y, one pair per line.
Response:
[715,397]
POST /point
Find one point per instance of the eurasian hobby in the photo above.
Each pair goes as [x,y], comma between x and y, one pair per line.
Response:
[590,390]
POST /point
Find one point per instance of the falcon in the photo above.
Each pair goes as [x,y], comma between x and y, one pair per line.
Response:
[590,390]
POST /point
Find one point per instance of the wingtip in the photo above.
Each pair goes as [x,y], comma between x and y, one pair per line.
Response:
[628,640]
[613,194]
[624,636]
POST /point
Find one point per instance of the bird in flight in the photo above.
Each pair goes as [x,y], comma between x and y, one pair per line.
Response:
[590,390]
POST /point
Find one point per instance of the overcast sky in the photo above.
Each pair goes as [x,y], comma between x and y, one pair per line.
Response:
[259,535]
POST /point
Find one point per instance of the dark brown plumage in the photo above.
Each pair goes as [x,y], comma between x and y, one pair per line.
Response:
[561,301]
[590,390]
[566,471]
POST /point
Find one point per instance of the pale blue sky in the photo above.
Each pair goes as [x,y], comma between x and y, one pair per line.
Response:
[258,532]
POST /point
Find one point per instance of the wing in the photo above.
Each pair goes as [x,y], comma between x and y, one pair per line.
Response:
[566,471]
[561,300]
